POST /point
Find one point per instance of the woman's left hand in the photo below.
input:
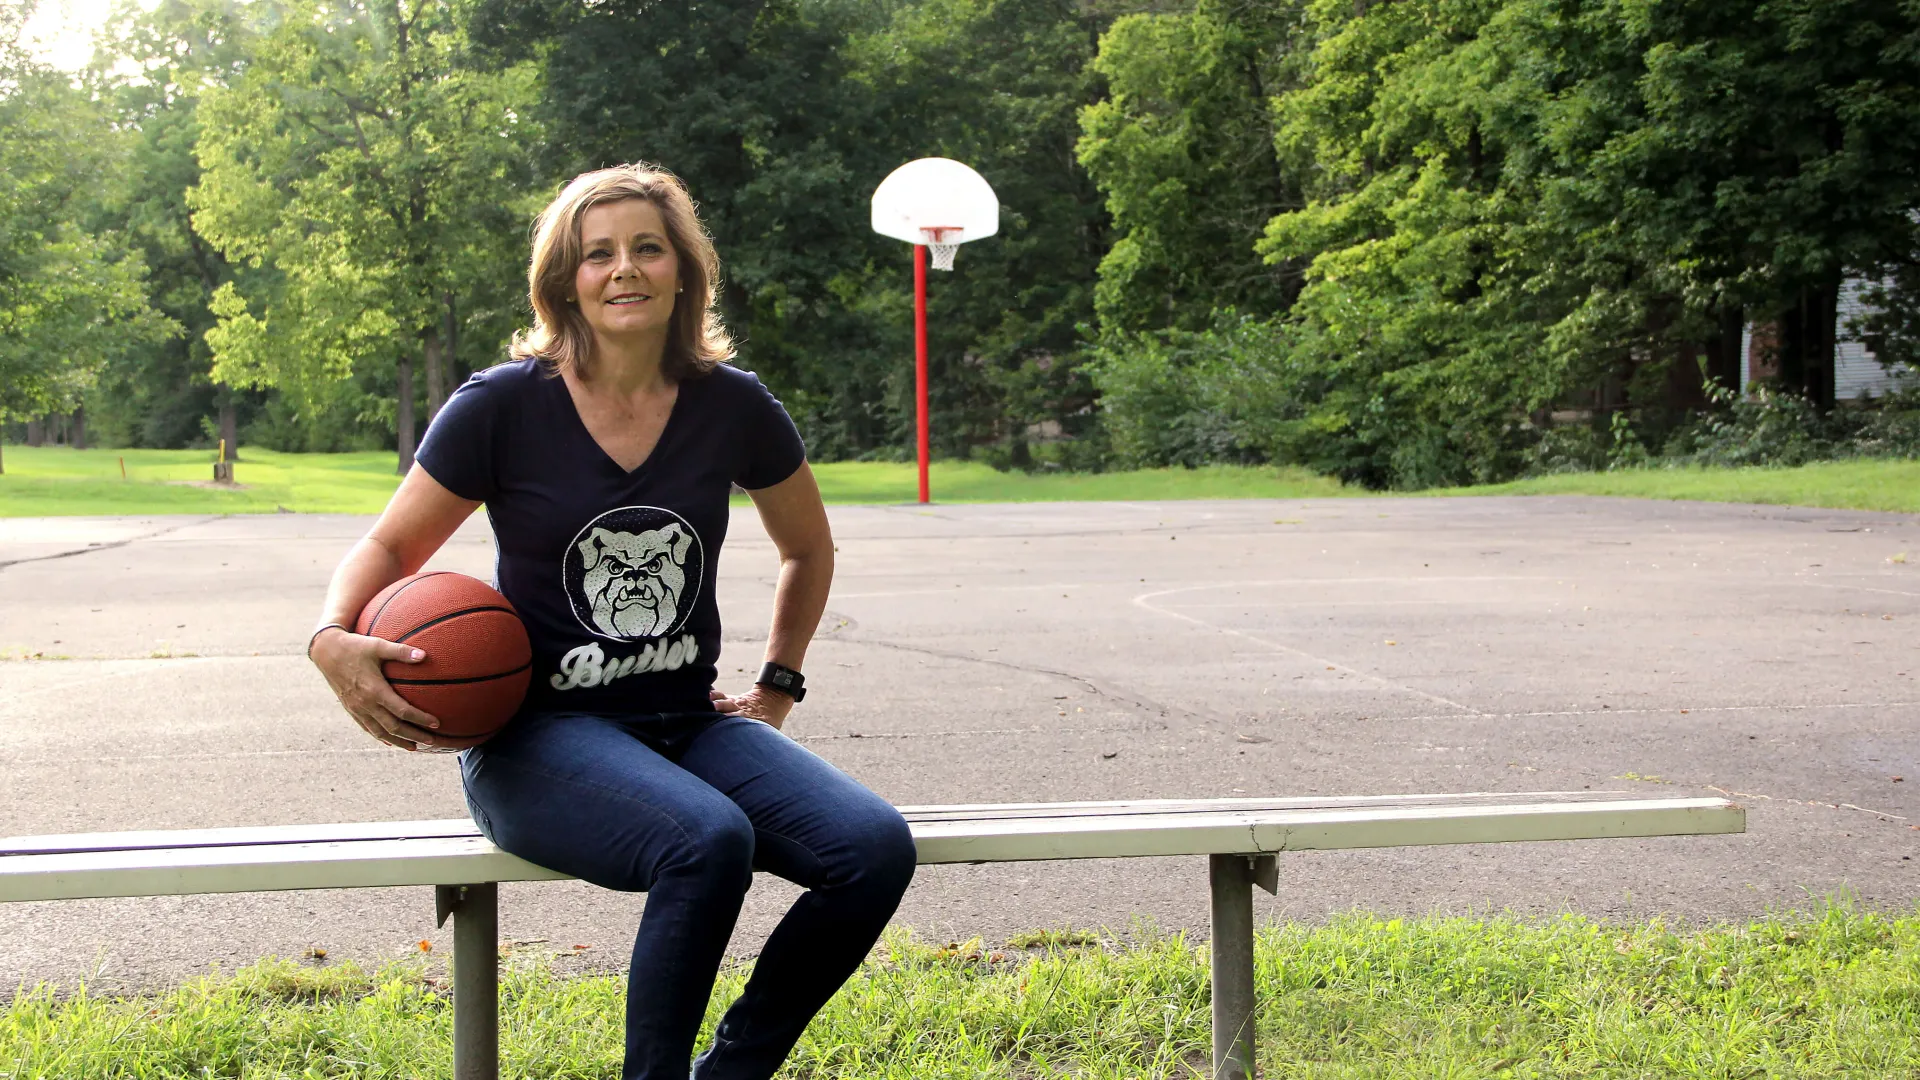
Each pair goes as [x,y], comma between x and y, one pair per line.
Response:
[758,703]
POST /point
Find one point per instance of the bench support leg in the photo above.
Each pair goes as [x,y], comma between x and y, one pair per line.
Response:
[476,976]
[1233,878]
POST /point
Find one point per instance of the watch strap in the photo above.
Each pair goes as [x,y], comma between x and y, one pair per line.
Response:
[784,679]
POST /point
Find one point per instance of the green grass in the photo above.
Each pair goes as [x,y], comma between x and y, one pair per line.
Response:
[53,481]
[1833,995]
[1838,485]
[56,481]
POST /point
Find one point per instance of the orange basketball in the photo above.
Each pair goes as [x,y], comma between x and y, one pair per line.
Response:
[478,659]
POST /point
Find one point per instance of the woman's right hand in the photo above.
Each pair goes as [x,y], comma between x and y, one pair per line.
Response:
[352,666]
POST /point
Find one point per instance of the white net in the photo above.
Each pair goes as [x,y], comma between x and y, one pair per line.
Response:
[941,243]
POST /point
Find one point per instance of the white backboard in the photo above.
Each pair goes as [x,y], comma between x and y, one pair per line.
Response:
[935,193]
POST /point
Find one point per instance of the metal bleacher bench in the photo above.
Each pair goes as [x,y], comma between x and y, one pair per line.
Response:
[1241,836]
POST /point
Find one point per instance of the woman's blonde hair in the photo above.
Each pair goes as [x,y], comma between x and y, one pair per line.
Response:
[560,336]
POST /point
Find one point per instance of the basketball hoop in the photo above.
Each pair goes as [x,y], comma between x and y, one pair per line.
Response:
[935,204]
[941,244]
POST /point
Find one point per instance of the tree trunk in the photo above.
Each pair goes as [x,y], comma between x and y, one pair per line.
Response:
[450,333]
[436,377]
[1724,359]
[3,457]
[36,432]
[230,426]
[403,414]
[1807,331]
[77,429]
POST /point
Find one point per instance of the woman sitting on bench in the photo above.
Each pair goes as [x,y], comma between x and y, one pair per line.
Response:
[605,451]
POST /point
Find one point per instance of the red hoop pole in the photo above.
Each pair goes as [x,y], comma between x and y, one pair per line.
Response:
[920,356]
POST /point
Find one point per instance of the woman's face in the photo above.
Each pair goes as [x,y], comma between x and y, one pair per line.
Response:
[628,271]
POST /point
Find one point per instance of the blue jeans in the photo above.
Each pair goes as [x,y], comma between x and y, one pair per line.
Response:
[684,807]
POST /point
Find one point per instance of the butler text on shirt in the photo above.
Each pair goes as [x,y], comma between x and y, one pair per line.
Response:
[587,665]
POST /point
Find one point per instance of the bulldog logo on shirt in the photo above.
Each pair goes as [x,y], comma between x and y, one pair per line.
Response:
[634,573]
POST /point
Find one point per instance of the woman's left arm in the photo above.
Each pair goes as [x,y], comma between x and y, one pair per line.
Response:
[796,520]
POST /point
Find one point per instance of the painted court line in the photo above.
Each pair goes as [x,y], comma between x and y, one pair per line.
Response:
[1144,602]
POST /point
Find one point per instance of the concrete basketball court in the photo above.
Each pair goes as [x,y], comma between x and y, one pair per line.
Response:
[1050,652]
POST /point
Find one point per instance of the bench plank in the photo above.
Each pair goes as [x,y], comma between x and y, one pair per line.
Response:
[453,853]
[337,832]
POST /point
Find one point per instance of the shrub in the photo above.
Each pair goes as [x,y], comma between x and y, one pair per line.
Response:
[1187,398]
[1766,426]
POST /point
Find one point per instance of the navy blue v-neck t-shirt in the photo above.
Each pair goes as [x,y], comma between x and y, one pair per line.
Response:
[612,571]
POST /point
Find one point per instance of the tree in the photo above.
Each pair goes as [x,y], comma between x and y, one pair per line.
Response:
[1182,147]
[999,84]
[69,300]
[1513,205]
[782,116]
[1780,150]
[149,70]
[381,177]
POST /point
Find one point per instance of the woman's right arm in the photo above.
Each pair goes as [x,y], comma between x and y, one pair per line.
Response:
[417,520]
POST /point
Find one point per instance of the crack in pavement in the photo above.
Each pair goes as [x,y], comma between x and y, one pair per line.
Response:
[94,677]
[1806,802]
[1645,712]
[1851,588]
[961,733]
[204,756]
[109,545]
[1145,704]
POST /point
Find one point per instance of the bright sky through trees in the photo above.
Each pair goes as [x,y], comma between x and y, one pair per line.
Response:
[61,31]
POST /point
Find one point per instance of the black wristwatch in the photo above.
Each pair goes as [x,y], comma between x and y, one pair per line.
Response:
[784,679]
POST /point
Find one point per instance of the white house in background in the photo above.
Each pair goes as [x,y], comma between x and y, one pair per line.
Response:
[1856,371]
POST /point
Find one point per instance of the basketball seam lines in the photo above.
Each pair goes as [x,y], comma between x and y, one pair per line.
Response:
[375,621]
[452,615]
[453,682]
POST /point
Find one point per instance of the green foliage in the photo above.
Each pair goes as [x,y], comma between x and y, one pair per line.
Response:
[1187,398]
[1182,148]
[1890,322]
[1773,427]
[72,298]
[782,117]
[380,180]
[1386,241]
[1511,204]
[147,75]
[997,84]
